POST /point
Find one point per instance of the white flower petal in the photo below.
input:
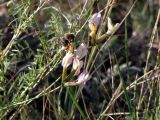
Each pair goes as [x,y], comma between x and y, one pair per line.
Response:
[67,60]
[77,65]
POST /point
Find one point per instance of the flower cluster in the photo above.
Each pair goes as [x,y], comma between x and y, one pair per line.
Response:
[77,63]
[94,23]
[75,57]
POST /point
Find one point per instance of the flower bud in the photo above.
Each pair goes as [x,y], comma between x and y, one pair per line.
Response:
[111,28]
[94,21]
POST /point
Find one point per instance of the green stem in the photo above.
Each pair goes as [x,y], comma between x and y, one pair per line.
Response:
[76,103]
[91,57]
[70,76]
[64,74]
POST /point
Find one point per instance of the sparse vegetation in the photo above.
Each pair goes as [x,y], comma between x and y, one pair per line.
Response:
[79,59]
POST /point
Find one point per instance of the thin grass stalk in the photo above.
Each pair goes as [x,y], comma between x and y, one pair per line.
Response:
[148,57]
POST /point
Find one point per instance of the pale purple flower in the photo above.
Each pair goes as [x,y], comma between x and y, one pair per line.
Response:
[77,65]
[67,60]
[81,51]
[94,21]
[83,77]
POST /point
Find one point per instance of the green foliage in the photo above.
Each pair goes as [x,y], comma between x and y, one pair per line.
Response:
[30,63]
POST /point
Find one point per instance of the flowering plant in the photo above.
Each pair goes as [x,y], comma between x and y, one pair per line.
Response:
[75,56]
